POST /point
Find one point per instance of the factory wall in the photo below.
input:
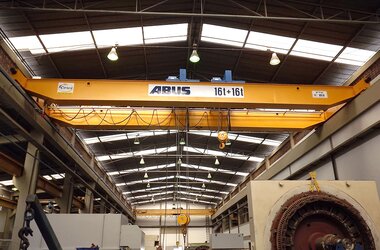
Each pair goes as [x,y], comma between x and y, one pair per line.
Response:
[166,230]
[352,153]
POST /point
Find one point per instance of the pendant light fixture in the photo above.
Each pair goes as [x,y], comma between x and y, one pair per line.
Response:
[209,175]
[179,162]
[142,162]
[216,161]
[148,185]
[112,55]
[136,141]
[182,141]
[203,185]
[146,175]
[274,59]
[194,58]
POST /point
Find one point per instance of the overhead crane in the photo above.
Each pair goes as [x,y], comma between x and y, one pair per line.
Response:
[122,104]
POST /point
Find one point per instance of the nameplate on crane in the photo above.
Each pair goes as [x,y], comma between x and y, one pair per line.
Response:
[184,90]
[65,87]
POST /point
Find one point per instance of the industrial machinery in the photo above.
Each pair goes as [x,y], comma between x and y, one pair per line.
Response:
[290,215]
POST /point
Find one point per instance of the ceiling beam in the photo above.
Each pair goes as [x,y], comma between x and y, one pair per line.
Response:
[367,18]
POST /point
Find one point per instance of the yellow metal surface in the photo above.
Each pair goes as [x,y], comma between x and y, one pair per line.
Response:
[135,93]
[183,220]
[163,212]
[148,118]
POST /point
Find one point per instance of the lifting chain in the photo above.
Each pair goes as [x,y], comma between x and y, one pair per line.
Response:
[26,230]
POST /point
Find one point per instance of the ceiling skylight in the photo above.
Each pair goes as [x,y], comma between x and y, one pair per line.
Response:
[223,35]
[68,41]
[223,154]
[184,165]
[165,33]
[28,43]
[264,41]
[122,37]
[153,151]
[6,183]
[170,186]
[125,136]
[355,56]
[243,138]
[315,50]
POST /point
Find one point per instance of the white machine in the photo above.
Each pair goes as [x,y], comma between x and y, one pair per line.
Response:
[108,231]
[226,241]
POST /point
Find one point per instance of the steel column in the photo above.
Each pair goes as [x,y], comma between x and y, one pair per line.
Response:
[26,184]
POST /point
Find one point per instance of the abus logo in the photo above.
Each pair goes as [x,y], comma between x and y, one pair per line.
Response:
[169,90]
[65,87]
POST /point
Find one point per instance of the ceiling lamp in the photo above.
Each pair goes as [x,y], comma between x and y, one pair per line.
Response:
[113,54]
[152,198]
[146,175]
[196,198]
[194,58]
[203,185]
[209,175]
[228,143]
[216,161]
[274,59]
[148,185]
[136,141]
[179,162]
[142,162]
[182,141]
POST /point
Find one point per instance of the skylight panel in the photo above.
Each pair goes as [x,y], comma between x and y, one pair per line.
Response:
[136,153]
[220,153]
[48,177]
[264,41]
[165,33]
[355,56]
[68,41]
[122,37]
[7,183]
[203,189]
[223,35]
[315,50]
[237,137]
[28,43]
[58,176]
[148,189]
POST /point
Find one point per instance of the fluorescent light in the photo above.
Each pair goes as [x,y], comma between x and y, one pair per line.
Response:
[58,176]
[68,41]
[223,35]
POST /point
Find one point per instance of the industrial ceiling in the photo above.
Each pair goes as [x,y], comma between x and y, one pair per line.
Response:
[318,42]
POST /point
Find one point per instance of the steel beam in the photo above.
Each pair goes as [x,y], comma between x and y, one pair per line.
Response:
[347,114]
[164,212]
[136,93]
[10,165]
[4,202]
[10,94]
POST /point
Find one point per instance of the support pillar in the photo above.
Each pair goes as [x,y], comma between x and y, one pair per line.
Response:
[66,201]
[102,206]
[26,184]
[89,201]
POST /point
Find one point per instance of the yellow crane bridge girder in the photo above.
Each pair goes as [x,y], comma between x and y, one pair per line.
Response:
[202,119]
[163,212]
[136,93]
